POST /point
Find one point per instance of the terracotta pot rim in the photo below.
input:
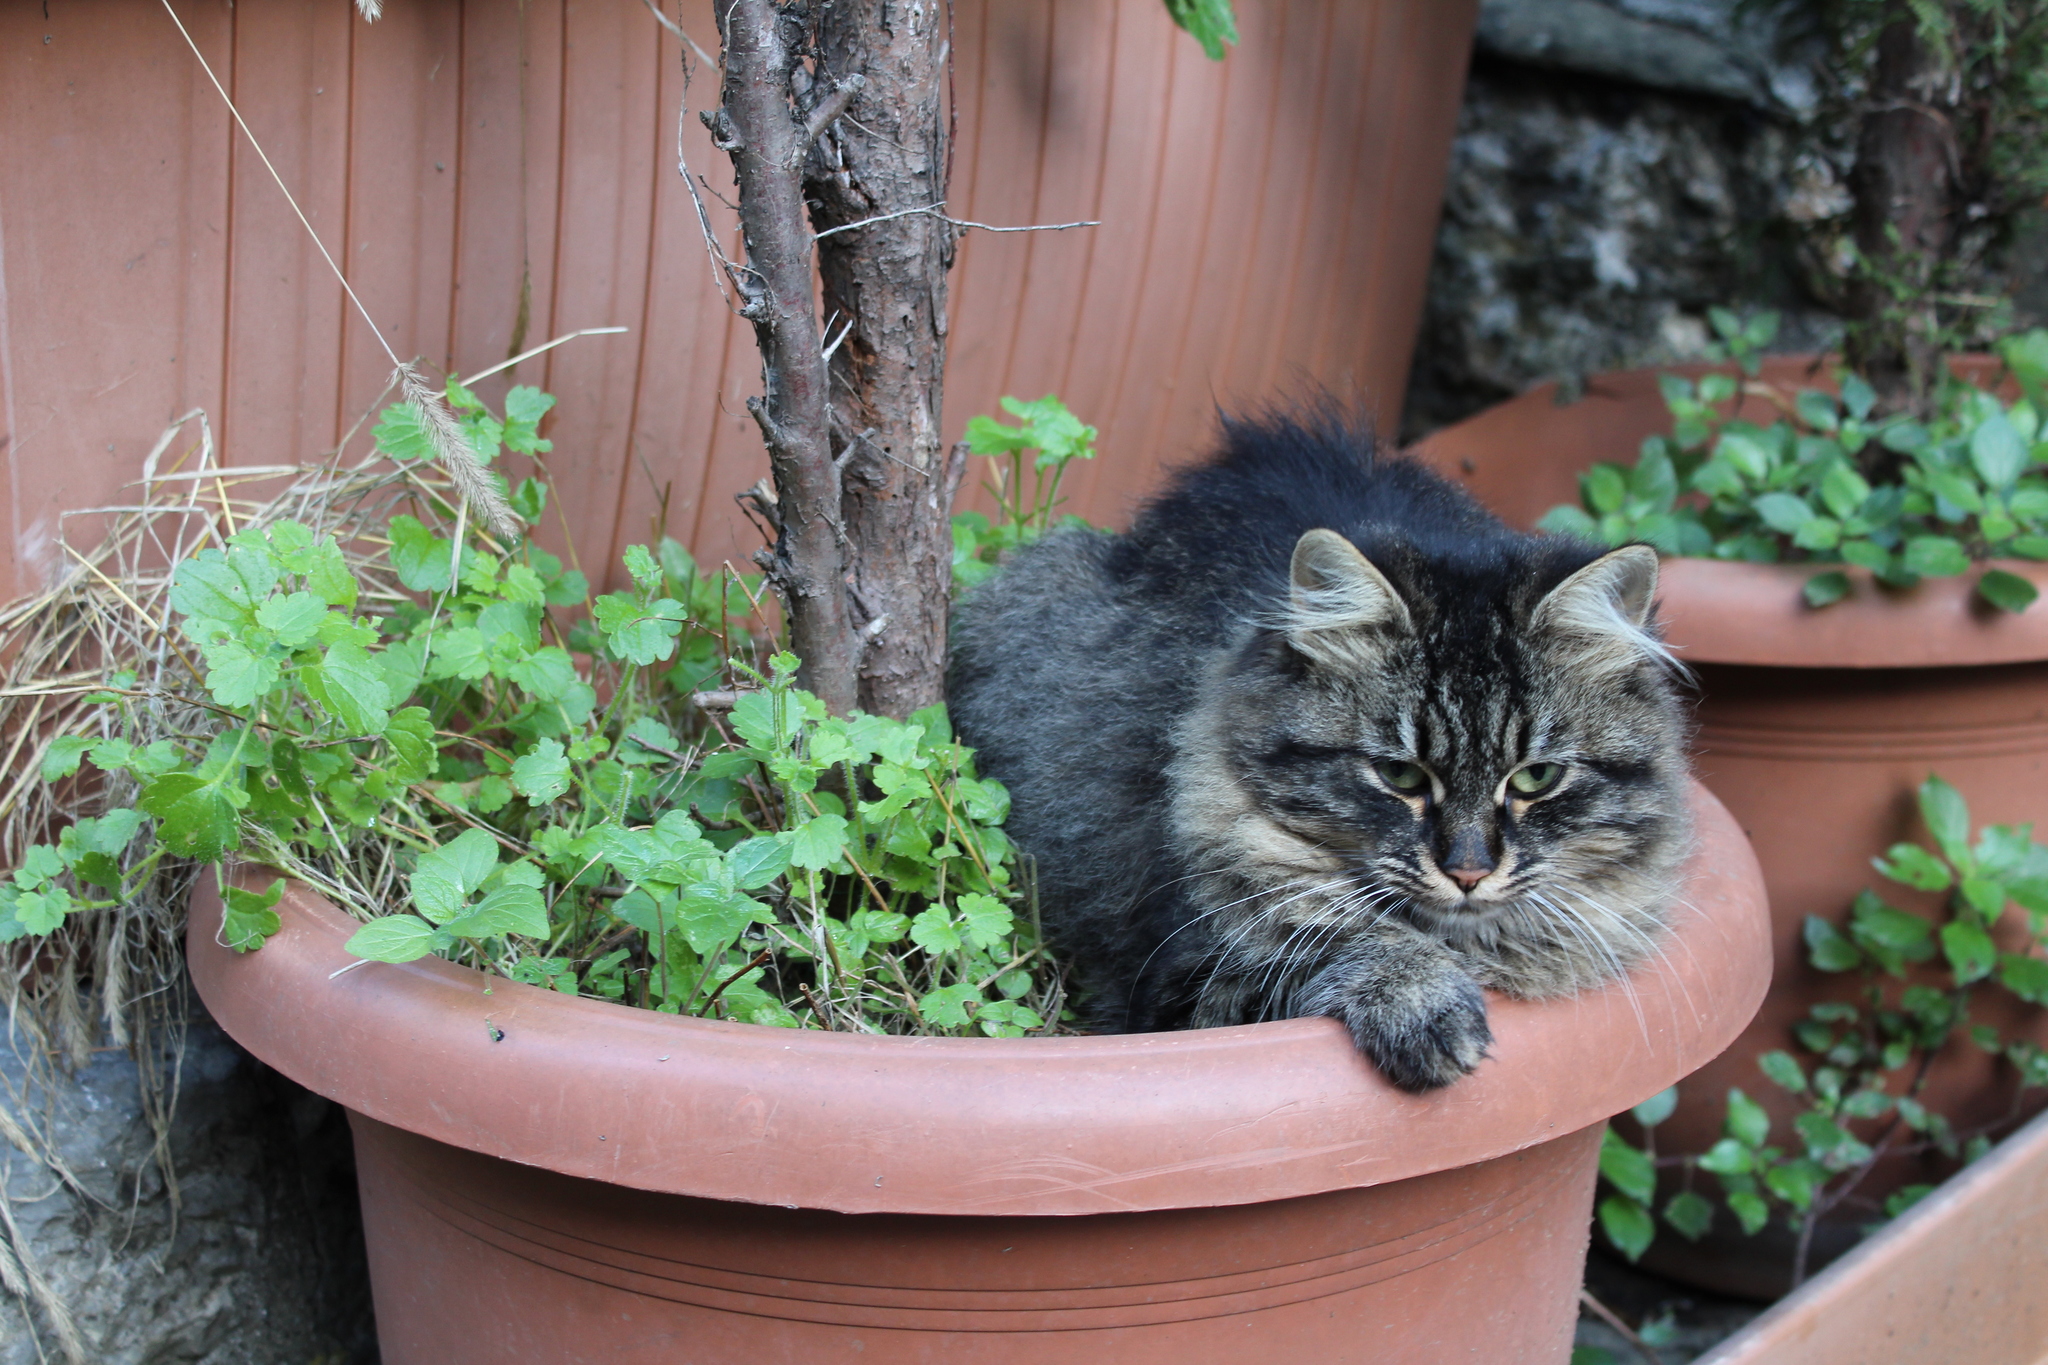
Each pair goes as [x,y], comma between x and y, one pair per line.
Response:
[965,1126]
[1721,612]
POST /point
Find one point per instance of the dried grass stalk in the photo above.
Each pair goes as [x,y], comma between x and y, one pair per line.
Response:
[458,457]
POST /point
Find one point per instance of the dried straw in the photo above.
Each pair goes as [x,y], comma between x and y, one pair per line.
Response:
[119,972]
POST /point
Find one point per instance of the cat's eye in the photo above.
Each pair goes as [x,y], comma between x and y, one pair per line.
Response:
[1402,777]
[1536,778]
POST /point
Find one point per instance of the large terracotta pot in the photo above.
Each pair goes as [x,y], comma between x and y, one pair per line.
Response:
[556,1179]
[1815,728]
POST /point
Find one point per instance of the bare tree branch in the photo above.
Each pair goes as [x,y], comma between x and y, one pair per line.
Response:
[759,127]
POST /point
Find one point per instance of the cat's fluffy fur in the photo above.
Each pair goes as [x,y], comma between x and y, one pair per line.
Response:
[1197,721]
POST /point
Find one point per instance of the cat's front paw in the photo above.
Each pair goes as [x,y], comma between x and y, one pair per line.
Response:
[1425,1034]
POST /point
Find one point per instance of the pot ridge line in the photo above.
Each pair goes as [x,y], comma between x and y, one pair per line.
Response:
[927,1308]
[1849,745]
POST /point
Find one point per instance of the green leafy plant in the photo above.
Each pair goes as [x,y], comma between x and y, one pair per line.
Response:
[1866,1064]
[1828,481]
[1027,464]
[1210,22]
[636,804]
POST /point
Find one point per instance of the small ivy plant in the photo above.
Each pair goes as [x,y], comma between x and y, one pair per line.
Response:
[1027,464]
[1865,1064]
[453,742]
[1832,482]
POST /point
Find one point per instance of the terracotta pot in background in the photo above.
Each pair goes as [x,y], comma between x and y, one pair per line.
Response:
[1815,728]
[549,1178]
[1955,1281]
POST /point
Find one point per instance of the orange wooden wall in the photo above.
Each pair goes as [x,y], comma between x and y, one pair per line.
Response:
[1266,223]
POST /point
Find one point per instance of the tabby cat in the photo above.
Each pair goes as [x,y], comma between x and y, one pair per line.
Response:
[1320,736]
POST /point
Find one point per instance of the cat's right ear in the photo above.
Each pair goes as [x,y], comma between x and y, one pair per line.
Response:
[1338,600]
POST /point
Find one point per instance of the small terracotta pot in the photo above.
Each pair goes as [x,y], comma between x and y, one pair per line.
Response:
[559,1179]
[1955,1281]
[1815,728]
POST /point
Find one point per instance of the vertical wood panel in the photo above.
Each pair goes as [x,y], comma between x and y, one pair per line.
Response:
[281,366]
[113,238]
[1264,221]
[406,85]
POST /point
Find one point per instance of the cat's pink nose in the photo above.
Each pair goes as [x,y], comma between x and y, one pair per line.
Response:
[1467,877]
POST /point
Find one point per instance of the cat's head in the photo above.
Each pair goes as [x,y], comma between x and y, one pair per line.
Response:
[1492,740]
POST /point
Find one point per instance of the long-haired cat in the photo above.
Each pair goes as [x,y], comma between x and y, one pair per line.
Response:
[1320,736]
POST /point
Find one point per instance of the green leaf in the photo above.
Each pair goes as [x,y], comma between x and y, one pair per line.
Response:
[1824,589]
[2006,590]
[1628,1225]
[420,558]
[986,920]
[1690,1215]
[1969,951]
[1657,1108]
[1783,512]
[247,918]
[212,586]
[507,910]
[1796,1182]
[293,618]
[1562,520]
[1936,556]
[197,818]
[1746,1122]
[1889,933]
[1747,455]
[109,834]
[393,938]
[41,912]
[2026,977]
[235,676]
[639,634]
[1843,489]
[328,576]
[1210,22]
[445,878]
[1915,867]
[1948,819]
[1827,948]
[1997,451]
[1750,1209]
[819,842]
[350,685]
[1782,1068]
[410,736]
[1627,1168]
[541,774]
[948,1006]
[1605,488]
[757,861]
[934,931]
[641,565]
[60,760]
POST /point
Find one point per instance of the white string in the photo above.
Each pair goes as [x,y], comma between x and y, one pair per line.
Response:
[282,186]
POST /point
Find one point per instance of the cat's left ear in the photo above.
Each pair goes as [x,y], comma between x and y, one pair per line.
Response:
[1605,609]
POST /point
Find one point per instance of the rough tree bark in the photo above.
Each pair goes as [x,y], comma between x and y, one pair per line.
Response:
[1905,186]
[862,552]
[886,160]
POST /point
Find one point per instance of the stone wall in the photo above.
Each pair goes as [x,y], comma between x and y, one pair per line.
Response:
[1620,167]
[258,1261]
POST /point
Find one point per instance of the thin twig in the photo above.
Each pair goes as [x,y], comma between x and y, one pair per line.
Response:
[1613,1319]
